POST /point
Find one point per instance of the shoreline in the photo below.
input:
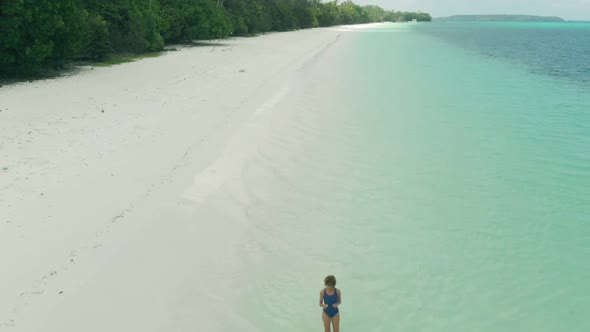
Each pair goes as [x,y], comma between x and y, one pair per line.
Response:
[73,67]
[90,160]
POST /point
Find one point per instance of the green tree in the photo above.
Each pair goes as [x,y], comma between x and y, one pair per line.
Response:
[305,15]
[372,13]
[258,16]
[328,14]
[186,20]
[237,11]
[282,14]
[98,45]
[38,33]
[133,25]
[350,13]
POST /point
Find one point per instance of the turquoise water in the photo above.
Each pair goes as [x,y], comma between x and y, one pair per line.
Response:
[549,49]
[441,172]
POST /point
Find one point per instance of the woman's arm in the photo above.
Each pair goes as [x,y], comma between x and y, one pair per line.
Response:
[322,300]
[339,298]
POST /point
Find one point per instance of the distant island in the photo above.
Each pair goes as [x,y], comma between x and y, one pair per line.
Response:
[498,18]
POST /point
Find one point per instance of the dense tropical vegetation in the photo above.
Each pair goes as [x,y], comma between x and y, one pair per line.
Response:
[38,34]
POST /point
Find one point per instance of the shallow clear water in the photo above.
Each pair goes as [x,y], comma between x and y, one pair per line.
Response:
[441,172]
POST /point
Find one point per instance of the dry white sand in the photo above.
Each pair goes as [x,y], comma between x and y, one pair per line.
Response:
[107,183]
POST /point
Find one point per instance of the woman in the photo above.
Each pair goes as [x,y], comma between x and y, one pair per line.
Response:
[330,299]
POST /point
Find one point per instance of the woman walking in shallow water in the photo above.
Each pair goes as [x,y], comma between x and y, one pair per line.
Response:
[330,299]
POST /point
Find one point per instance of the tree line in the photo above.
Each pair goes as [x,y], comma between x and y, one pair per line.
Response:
[39,34]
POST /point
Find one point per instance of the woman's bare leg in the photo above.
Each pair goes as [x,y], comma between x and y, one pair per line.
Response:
[326,320]
[336,323]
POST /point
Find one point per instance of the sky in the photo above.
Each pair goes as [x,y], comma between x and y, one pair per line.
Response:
[567,9]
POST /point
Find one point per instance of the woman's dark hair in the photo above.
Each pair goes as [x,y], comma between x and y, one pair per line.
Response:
[330,281]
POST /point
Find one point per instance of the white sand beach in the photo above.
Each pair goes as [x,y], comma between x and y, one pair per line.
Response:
[108,182]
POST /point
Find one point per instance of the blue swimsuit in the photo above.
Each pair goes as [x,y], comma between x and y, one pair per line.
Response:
[330,300]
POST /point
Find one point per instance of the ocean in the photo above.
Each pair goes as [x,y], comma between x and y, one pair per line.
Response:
[440,171]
